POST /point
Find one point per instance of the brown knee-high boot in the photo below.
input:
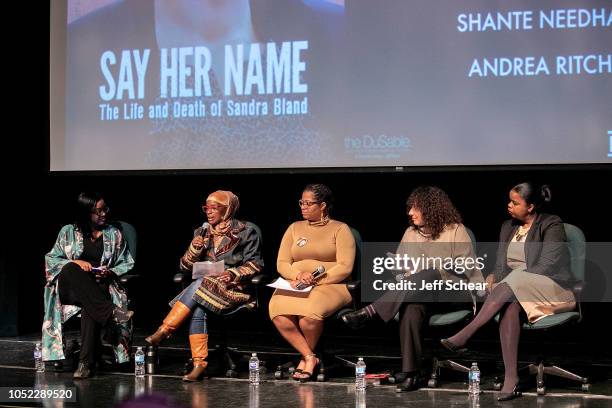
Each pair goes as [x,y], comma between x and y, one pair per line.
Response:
[175,318]
[199,352]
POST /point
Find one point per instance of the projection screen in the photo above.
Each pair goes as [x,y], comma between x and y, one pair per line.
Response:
[185,84]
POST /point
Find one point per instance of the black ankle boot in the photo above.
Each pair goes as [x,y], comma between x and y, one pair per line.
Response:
[356,319]
[83,371]
[410,383]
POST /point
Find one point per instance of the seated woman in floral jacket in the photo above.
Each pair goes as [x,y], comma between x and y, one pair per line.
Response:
[80,271]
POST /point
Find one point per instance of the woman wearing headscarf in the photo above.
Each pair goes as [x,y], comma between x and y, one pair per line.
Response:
[221,238]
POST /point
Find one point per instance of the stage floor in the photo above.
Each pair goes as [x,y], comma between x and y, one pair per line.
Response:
[114,384]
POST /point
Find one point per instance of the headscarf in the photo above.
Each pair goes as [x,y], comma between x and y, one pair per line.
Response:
[230,201]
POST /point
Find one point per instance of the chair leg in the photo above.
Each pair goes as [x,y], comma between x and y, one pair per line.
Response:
[453,366]
[224,352]
[438,364]
[322,376]
[435,369]
[288,367]
[560,372]
[330,362]
[227,361]
[231,371]
[539,370]
[498,383]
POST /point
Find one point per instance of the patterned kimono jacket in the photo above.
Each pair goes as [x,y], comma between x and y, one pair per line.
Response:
[69,246]
[240,249]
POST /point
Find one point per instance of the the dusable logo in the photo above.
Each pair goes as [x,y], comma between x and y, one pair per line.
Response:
[374,143]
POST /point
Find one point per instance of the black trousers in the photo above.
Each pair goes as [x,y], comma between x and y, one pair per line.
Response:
[414,307]
[77,287]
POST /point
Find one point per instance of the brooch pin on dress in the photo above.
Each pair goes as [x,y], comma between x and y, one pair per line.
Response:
[301,241]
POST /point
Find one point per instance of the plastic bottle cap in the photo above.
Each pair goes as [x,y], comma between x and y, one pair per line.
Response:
[254,355]
[360,359]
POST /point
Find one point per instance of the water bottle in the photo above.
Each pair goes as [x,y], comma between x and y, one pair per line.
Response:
[360,372]
[254,369]
[139,363]
[39,364]
[474,380]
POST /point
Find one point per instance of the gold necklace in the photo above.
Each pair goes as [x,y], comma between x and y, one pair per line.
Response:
[521,233]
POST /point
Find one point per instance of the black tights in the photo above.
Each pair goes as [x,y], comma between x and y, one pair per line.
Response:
[509,336]
[509,329]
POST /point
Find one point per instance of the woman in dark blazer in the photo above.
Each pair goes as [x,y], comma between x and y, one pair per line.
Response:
[531,275]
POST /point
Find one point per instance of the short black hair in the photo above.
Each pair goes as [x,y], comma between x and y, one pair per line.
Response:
[323,194]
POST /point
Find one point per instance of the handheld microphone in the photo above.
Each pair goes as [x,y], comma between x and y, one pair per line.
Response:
[315,274]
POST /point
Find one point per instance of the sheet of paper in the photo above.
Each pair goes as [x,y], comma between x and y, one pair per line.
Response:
[283,284]
[207,268]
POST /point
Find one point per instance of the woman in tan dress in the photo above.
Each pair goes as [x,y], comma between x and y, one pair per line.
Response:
[316,241]
[532,269]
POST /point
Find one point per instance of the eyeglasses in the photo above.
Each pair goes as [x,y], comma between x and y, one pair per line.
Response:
[306,203]
[100,211]
[213,209]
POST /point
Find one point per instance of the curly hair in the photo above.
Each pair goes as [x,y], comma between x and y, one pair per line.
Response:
[437,209]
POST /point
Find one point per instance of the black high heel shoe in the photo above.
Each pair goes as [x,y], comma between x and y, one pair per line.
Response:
[314,372]
[297,372]
[452,347]
[507,396]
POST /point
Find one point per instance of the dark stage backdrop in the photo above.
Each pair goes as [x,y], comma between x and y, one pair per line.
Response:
[166,208]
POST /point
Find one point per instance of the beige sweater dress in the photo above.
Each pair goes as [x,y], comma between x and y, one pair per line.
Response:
[303,248]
